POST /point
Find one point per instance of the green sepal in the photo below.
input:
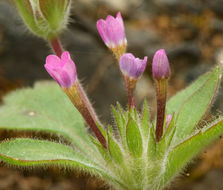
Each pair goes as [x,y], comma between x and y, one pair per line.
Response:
[25,9]
[55,12]
[45,18]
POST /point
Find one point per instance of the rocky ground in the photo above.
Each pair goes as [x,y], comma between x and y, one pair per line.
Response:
[190,31]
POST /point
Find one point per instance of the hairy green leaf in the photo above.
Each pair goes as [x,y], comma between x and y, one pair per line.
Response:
[179,156]
[114,150]
[175,102]
[25,151]
[196,105]
[30,152]
[145,120]
[134,138]
[44,108]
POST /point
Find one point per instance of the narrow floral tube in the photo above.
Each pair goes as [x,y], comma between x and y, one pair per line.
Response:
[160,65]
[161,73]
[63,69]
[132,67]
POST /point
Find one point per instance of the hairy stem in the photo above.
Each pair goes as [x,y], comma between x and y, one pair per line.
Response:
[130,87]
[81,102]
[161,95]
[56,46]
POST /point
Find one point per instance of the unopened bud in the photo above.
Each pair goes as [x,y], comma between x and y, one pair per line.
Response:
[160,65]
[168,120]
[45,18]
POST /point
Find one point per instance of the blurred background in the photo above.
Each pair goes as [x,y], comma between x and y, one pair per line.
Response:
[191,32]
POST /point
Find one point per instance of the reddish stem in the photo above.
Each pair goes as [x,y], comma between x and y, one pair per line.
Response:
[161,94]
[130,86]
[81,102]
[56,46]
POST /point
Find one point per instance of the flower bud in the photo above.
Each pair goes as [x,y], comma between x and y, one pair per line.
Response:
[45,18]
[132,67]
[63,69]
[168,120]
[160,65]
[112,32]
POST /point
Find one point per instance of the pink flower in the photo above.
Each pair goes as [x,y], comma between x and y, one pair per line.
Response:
[131,66]
[63,69]
[160,65]
[112,31]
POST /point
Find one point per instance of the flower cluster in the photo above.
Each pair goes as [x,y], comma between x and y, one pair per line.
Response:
[139,153]
[112,32]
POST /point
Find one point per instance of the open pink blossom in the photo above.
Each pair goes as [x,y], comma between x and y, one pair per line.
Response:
[160,65]
[63,69]
[131,66]
[112,31]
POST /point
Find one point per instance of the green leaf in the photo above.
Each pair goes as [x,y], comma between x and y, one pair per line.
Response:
[134,138]
[145,120]
[44,108]
[25,151]
[179,156]
[151,149]
[120,122]
[104,153]
[197,105]
[175,102]
[114,150]
[29,152]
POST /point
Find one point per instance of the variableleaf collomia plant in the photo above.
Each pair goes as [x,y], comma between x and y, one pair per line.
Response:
[135,154]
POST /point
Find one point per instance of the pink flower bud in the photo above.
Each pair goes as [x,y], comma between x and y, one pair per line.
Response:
[63,69]
[132,67]
[168,119]
[160,65]
[112,31]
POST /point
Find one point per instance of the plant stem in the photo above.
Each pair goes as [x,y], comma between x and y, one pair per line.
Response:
[81,102]
[130,86]
[161,94]
[56,46]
